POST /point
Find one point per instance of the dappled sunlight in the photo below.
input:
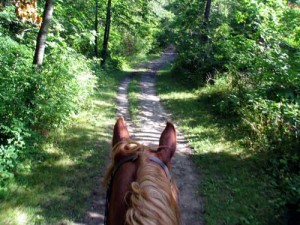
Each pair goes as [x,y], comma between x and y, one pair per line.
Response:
[207,145]
[100,103]
[18,216]
[136,70]
[205,132]
[230,171]
[96,216]
[178,96]
[105,95]
[207,139]
[228,80]
[60,182]
[21,218]
[65,162]
[68,169]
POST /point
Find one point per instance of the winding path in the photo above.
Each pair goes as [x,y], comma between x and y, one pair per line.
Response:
[147,129]
[150,123]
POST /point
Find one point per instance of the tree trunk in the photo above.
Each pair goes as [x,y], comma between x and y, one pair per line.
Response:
[106,33]
[203,36]
[41,38]
[207,12]
[205,40]
[96,29]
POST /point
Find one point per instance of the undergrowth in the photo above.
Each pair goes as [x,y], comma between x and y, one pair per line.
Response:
[35,103]
[235,185]
[58,187]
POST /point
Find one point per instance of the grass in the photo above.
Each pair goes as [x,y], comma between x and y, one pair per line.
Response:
[234,185]
[135,61]
[58,187]
[133,97]
[137,64]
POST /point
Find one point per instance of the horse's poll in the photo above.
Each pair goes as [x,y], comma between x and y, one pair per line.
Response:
[139,185]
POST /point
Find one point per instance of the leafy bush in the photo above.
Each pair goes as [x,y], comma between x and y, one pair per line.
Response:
[33,103]
[61,89]
[14,84]
[275,128]
[255,46]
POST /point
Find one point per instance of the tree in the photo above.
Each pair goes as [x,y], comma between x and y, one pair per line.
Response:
[106,33]
[206,20]
[96,27]
[41,38]
[207,12]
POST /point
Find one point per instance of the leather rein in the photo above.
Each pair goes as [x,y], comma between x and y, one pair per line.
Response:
[118,165]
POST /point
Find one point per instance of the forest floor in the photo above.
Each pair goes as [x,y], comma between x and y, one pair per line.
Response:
[146,128]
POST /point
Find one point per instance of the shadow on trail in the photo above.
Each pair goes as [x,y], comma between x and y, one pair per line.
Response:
[62,185]
[236,188]
[235,184]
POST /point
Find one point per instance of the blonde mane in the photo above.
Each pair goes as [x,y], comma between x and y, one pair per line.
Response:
[153,198]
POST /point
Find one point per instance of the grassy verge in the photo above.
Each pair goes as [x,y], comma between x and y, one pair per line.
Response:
[58,188]
[235,188]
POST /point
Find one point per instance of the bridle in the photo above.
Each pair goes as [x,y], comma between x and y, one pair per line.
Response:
[118,165]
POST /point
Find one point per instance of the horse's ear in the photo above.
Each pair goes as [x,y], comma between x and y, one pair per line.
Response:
[120,131]
[167,143]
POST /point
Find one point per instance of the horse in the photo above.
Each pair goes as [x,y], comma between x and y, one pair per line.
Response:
[140,190]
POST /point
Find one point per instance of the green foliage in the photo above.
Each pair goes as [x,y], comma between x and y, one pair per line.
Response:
[11,146]
[62,88]
[73,25]
[230,170]
[275,128]
[253,46]
[249,49]
[134,27]
[56,189]
[13,108]
[23,32]
[34,103]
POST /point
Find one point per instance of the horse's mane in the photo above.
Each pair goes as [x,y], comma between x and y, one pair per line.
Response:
[153,198]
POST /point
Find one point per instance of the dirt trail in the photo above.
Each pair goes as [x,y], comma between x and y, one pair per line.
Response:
[150,123]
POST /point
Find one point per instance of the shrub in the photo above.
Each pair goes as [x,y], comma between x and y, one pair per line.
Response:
[32,103]
[275,129]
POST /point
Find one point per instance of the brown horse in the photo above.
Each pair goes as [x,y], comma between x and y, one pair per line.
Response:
[140,188]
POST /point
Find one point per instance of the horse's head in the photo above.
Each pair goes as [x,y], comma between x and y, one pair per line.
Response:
[140,189]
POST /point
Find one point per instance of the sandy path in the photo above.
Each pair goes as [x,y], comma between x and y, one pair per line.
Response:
[150,123]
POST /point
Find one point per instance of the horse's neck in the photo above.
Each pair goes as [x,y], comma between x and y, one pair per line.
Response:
[120,195]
